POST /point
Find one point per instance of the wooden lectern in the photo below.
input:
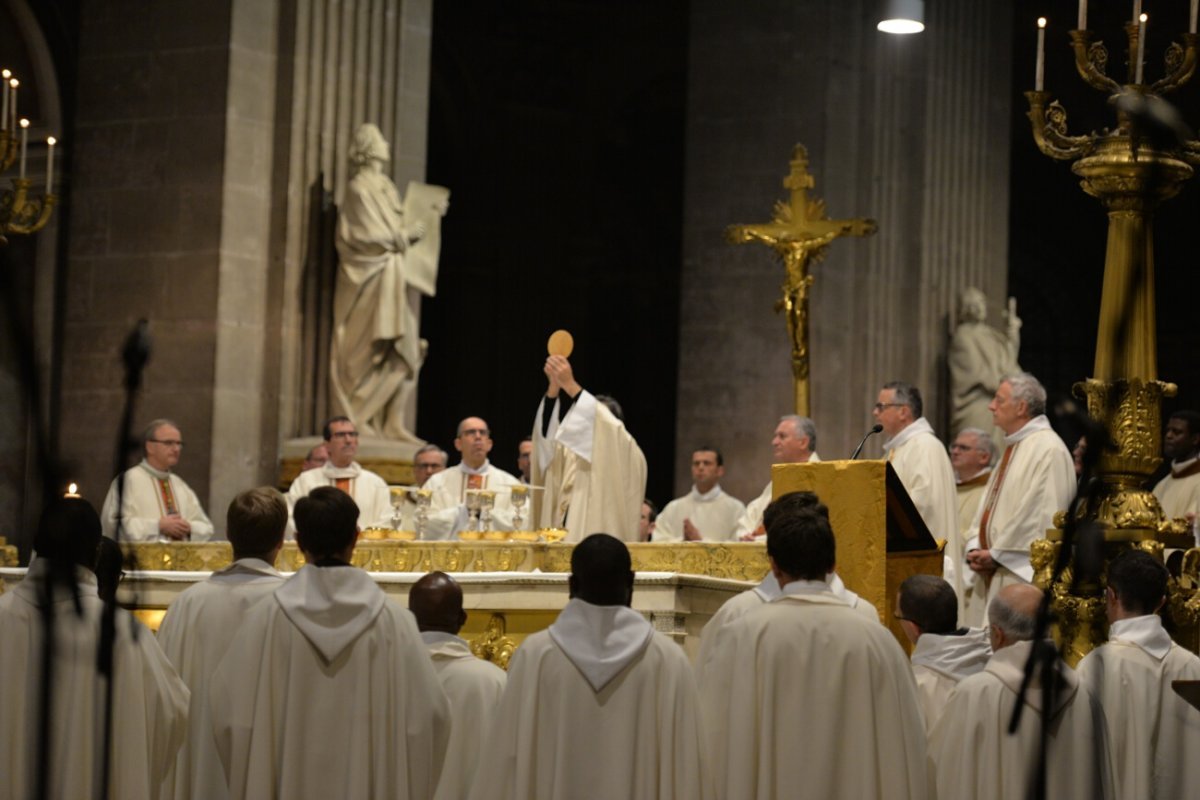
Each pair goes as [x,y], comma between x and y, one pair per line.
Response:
[881,538]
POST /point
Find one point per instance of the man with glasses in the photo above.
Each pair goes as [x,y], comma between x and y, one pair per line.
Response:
[971,455]
[159,505]
[448,507]
[341,471]
[429,461]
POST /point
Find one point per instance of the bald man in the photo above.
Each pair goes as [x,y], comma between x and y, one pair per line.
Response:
[599,705]
[473,686]
[970,748]
[448,506]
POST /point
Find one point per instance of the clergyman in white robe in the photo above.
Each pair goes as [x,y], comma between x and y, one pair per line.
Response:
[592,469]
[940,661]
[1179,491]
[921,462]
[1020,502]
[146,502]
[195,634]
[149,701]
[714,513]
[447,507]
[327,691]
[367,489]
[752,520]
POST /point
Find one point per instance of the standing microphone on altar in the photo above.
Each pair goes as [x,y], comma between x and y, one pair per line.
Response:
[876,428]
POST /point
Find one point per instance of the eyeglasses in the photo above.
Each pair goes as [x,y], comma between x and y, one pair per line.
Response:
[961,448]
[345,435]
[427,467]
[167,442]
[482,432]
[882,406]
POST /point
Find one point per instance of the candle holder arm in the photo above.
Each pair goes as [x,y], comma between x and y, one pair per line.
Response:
[1050,129]
[1181,65]
[20,214]
[1091,60]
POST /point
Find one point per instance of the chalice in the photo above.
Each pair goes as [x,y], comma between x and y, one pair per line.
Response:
[520,495]
[422,498]
[474,504]
[487,501]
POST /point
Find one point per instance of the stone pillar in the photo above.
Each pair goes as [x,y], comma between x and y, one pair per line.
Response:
[912,131]
[200,129]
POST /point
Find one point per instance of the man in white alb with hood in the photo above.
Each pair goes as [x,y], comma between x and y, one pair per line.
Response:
[369,491]
[203,620]
[943,654]
[473,686]
[599,705]
[1154,733]
[327,690]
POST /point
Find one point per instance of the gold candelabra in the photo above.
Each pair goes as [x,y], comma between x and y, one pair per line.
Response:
[1130,170]
[21,211]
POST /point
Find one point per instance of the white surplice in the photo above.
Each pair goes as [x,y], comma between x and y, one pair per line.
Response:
[714,513]
[369,491]
[145,506]
[448,509]
[195,633]
[752,519]
[817,676]
[940,661]
[327,691]
[598,706]
[973,755]
[473,687]
[1179,492]
[1153,732]
[593,470]
[149,701]
[1038,482]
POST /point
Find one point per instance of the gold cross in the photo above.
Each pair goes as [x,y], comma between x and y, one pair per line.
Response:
[799,232]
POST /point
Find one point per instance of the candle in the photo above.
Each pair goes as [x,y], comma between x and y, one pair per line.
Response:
[50,142]
[24,144]
[1141,47]
[1040,74]
[72,491]
[1082,24]
[4,113]
[1137,11]
[1192,23]
[14,83]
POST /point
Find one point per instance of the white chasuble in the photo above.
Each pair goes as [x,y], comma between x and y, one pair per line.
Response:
[921,462]
[598,706]
[593,472]
[369,491]
[448,509]
[973,755]
[1153,732]
[150,495]
[824,705]
[150,701]
[327,691]
[195,634]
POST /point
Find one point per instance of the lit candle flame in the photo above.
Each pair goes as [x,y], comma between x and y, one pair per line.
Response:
[72,490]
[50,140]
[24,123]
[1041,22]
[1144,17]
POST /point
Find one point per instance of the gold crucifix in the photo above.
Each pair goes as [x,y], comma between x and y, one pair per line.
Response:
[799,232]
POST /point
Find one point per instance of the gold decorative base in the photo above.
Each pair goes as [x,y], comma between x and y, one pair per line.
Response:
[8,554]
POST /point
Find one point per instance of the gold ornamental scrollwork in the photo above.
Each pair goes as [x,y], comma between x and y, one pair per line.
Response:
[492,645]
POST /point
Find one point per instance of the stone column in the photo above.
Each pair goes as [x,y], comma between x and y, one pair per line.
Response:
[912,131]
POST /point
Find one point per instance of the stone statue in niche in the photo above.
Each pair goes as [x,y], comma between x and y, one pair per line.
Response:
[980,356]
[388,258]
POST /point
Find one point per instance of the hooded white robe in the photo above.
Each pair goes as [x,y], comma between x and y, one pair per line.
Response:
[149,702]
[448,505]
[369,491]
[825,705]
[940,661]
[144,506]
[1038,483]
[1153,732]
[327,691]
[714,513]
[593,470]
[973,755]
[195,634]
[473,687]
[597,706]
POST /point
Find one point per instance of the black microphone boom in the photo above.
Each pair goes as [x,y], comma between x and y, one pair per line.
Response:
[876,428]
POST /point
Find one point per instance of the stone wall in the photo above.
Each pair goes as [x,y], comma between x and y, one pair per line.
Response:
[912,131]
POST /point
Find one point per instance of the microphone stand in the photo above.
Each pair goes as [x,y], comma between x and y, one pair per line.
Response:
[135,354]
[876,428]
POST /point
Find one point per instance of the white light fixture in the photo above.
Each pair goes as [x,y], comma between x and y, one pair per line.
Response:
[903,16]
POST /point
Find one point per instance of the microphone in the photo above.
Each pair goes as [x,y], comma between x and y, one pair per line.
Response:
[876,428]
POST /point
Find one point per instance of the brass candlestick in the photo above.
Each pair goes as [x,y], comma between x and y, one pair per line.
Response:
[1130,175]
